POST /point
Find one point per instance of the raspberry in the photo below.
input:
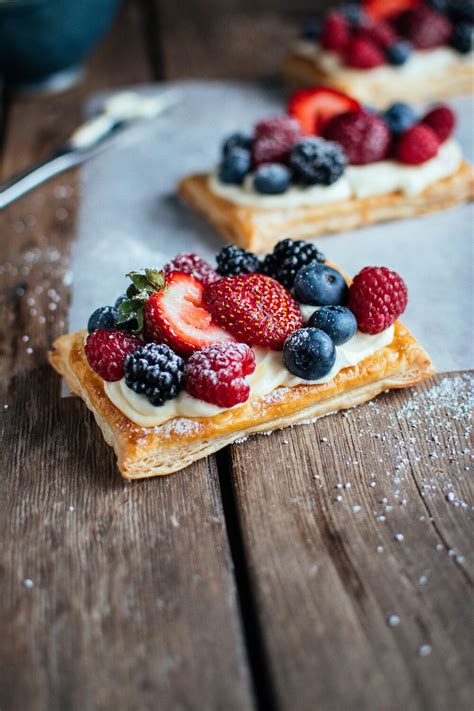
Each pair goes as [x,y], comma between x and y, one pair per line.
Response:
[335,34]
[217,374]
[377,297]
[380,33]
[425,28]
[442,120]
[106,352]
[417,145]
[274,139]
[254,308]
[154,370]
[192,264]
[365,137]
[363,53]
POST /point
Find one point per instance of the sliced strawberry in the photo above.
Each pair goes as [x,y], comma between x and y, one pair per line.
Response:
[386,9]
[176,315]
[315,107]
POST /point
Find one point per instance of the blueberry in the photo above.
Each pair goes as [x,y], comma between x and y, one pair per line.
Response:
[399,52]
[132,323]
[399,117]
[337,321]
[309,353]
[272,179]
[462,37]
[461,10]
[235,166]
[236,140]
[353,13]
[103,317]
[320,285]
[312,29]
[438,5]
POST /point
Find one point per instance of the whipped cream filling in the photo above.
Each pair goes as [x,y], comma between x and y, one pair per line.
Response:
[270,373]
[420,64]
[361,181]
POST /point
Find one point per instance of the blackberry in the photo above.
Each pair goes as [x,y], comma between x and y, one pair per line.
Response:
[317,162]
[462,37]
[438,5]
[461,10]
[236,140]
[233,260]
[156,371]
[287,259]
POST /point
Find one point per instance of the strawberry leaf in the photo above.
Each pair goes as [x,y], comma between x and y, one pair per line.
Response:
[138,293]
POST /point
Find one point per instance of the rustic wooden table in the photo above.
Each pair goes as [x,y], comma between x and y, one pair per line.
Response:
[323,567]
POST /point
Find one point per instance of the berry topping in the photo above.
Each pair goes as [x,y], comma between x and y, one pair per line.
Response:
[106,352]
[309,353]
[124,323]
[176,315]
[399,52]
[315,107]
[235,166]
[287,259]
[156,371]
[337,321]
[317,162]
[103,317]
[380,33]
[399,117]
[417,145]
[233,260]
[274,139]
[190,263]
[217,374]
[386,9]
[236,140]
[462,37]
[425,28]
[377,297]
[461,10]
[365,137]
[363,53]
[255,308]
[336,32]
[312,29]
[320,285]
[272,179]
[442,120]
[354,14]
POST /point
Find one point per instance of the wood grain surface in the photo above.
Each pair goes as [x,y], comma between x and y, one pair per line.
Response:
[326,566]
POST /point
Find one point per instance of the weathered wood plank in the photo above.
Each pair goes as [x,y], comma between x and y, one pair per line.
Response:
[132,602]
[340,534]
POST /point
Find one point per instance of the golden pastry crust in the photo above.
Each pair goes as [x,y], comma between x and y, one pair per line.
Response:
[144,452]
[260,228]
[299,71]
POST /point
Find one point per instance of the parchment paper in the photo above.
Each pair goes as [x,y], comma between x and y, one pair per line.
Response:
[130,218]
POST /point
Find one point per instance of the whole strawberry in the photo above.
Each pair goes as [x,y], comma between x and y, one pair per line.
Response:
[193,264]
[255,308]
[377,297]
[217,374]
[417,145]
[106,352]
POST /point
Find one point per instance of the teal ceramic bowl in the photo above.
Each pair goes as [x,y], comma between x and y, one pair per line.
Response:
[44,42]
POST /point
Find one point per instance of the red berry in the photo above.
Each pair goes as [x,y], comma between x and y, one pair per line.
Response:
[442,120]
[365,137]
[335,34]
[425,28]
[417,145]
[363,53]
[217,374]
[383,9]
[255,308]
[380,33]
[106,352]
[315,107]
[190,263]
[377,297]
[176,315]
[274,139]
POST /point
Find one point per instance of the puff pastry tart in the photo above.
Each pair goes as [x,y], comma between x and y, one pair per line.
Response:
[328,166]
[382,51]
[192,359]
